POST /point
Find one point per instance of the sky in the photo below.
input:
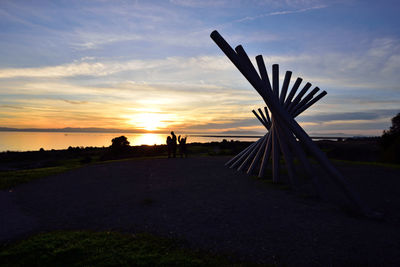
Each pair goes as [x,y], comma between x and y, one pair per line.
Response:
[151,65]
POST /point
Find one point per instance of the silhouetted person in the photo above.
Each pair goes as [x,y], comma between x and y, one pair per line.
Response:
[169,146]
[182,146]
[173,144]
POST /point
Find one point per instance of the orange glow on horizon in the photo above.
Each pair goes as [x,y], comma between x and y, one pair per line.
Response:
[149,121]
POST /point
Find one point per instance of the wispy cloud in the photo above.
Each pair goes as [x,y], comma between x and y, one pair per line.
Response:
[10,107]
[110,67]
[372,67]
[90,40]
[65,70]
[74,102]
[327,69]
[200,3]
[278,13]
[366,115]
[187,104]
[356,127]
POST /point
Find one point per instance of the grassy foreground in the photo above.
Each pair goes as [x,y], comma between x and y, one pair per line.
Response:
[84,248]
[32,165]
[10,179]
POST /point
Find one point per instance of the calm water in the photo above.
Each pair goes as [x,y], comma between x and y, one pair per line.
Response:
[28,141]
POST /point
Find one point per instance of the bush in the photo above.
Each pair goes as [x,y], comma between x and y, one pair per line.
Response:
[120,143]
[390,141]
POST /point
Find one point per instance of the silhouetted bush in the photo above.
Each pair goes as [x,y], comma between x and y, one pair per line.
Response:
[120,143]
[391,141]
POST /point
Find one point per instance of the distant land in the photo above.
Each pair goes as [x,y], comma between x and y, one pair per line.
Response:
[239,133]
[112,130]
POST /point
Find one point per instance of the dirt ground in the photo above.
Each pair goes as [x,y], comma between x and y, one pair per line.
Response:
[214,208]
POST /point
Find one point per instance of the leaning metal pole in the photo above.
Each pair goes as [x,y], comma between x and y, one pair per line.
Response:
[289,127]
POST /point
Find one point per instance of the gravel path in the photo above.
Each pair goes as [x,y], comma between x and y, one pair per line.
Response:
[213,208]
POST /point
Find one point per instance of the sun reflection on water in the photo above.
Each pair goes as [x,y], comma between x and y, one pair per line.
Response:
[147,139]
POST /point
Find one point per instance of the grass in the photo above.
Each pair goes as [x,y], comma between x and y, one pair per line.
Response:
[131,158]
[84,248]
[10,179]
[269,182]
[368,163]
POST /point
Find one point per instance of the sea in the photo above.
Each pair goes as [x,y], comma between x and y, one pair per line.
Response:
[31,141]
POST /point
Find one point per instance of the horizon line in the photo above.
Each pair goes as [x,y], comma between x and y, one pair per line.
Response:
[249,134]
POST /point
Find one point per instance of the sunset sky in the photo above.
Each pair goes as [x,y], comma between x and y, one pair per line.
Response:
[151,65]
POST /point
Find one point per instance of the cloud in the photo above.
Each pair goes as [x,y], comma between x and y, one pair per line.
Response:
[200,3]
[354,127]
[114,60]
[111,67]
[15,18]
[90,40]
[374,66]
[65,70]
[200,90]
[190,104]
[10,107]
[232,123]
[278,13]
[75,102]
[243,4]
[342,117]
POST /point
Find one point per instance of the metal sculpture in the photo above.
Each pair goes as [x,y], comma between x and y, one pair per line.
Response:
[284,135]
[260,151]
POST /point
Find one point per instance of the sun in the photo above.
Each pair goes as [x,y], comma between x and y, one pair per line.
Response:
[148,121]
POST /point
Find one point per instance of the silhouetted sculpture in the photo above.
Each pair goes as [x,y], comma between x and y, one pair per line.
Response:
[182,146]
[283,129]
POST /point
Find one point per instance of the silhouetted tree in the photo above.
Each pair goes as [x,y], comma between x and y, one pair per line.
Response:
[390,136]
[119,143]
[391,141]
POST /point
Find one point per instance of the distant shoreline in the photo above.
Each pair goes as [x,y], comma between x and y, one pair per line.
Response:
[121,131]
[312,137]
[227,136]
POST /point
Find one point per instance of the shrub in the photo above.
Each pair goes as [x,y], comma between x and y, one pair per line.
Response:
[390,141]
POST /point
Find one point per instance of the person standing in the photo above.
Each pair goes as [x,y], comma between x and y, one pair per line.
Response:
[169,146]
[182,146]
[173,144]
